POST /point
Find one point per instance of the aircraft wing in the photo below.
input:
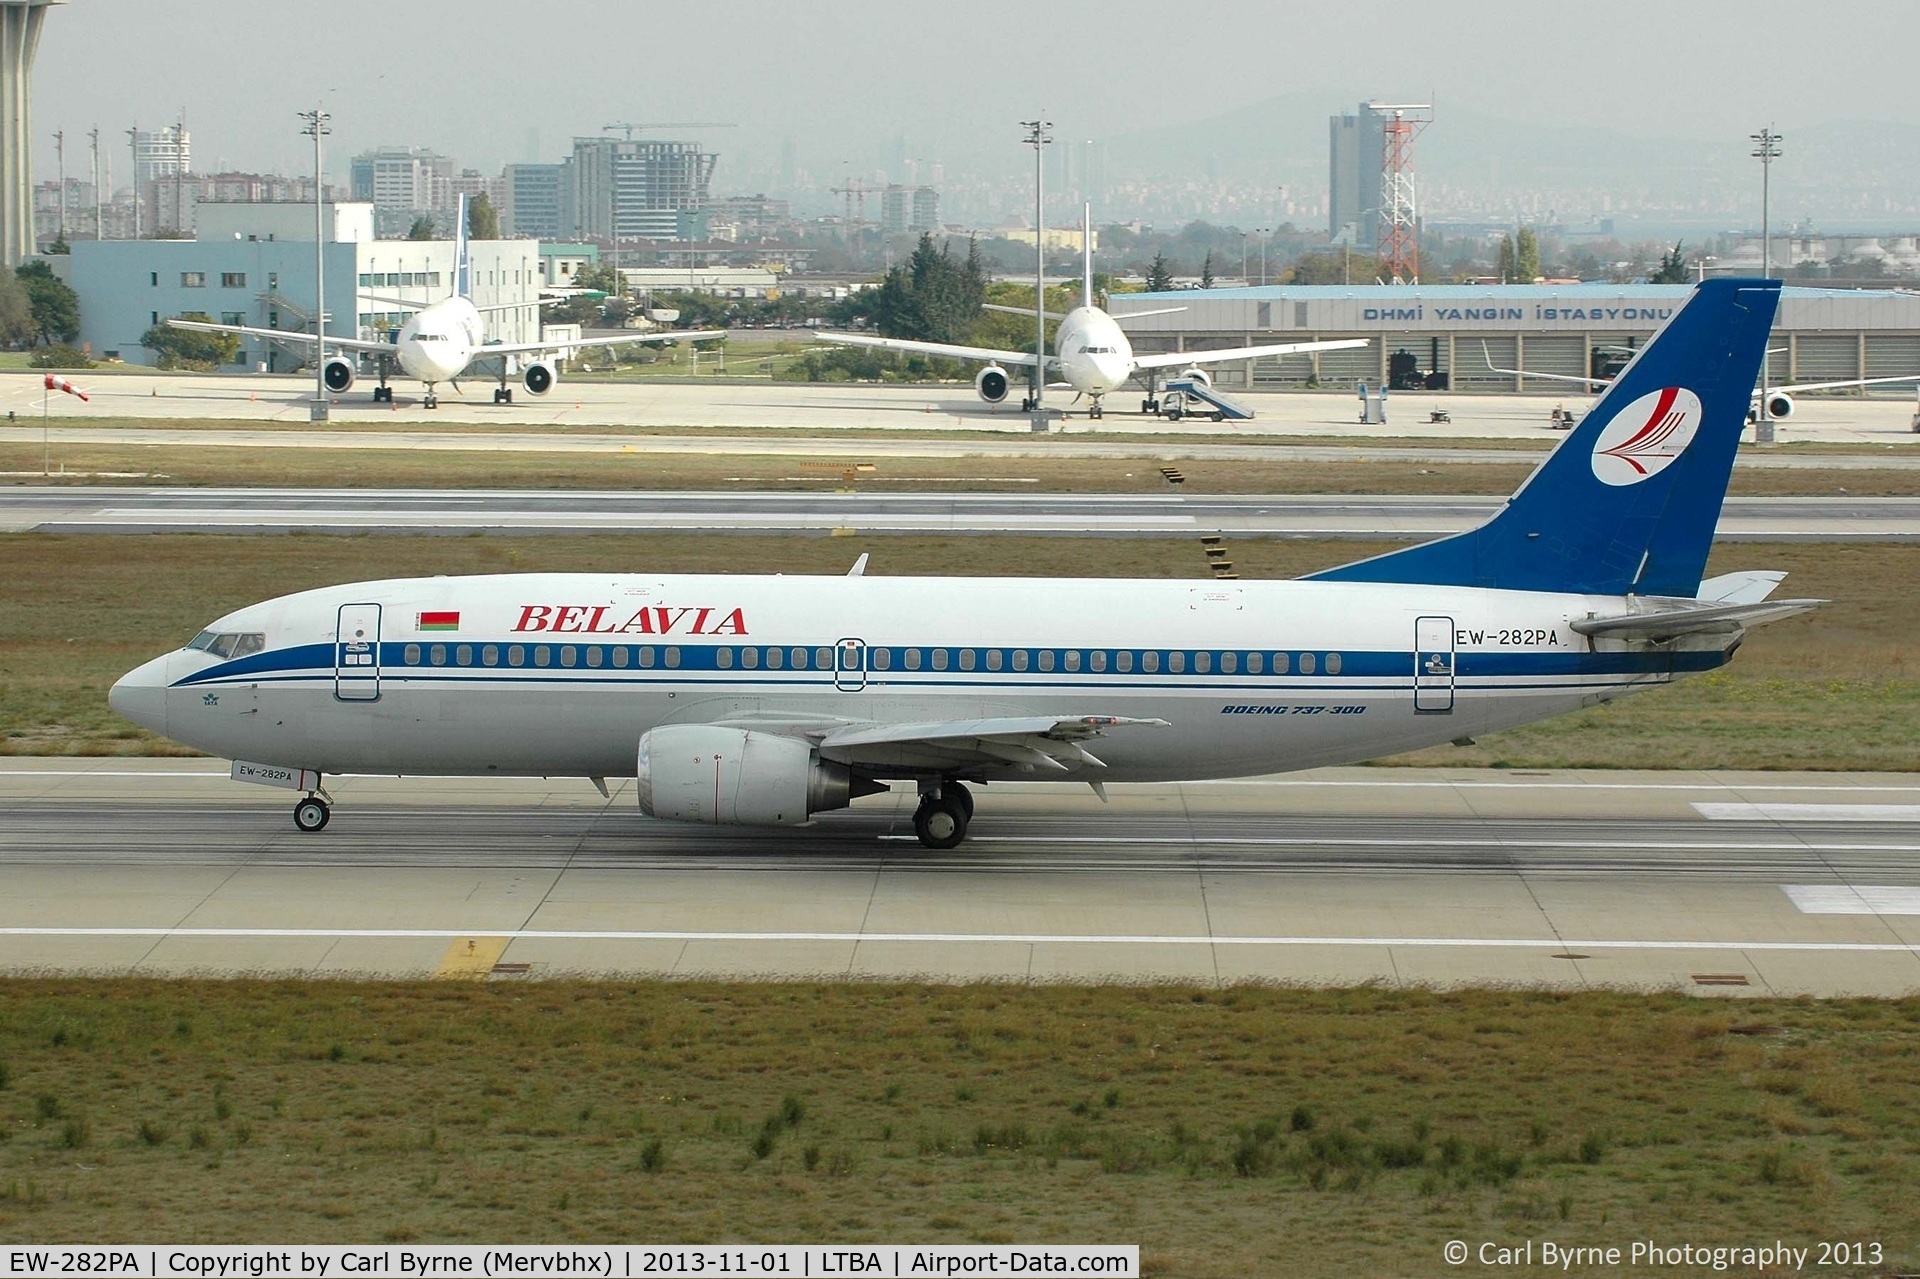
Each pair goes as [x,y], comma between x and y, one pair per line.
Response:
[1022,358]
[1550,377]
[1690,619]
[1185,359]
[1050,742]
[282,335]
[1858,381]
[671,335]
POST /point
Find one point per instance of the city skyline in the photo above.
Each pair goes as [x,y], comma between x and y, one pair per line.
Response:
[1647,80]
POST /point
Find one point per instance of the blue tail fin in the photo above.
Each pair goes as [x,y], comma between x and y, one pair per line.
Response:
[1627,504]
[462,263]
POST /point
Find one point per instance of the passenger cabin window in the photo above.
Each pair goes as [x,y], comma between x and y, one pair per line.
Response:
[1306,663]
[1333,663]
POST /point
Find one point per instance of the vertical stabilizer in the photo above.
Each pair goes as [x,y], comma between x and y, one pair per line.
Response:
[1086,254]
[462,262]
[1627,504]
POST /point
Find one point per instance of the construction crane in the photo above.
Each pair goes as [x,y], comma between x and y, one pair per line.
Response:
[855,189]
[629,128]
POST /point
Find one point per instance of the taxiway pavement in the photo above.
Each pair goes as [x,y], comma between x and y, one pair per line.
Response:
[851,409]
[1714,883]
[102,509]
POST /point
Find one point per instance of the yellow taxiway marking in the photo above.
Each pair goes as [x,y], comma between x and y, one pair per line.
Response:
[471,958]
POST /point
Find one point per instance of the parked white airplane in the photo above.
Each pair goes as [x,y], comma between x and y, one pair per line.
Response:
[766,700]
[443,338]
[1779,399]
[1092,354]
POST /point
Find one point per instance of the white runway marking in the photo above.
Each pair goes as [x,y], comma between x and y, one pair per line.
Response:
[1513,844]
[1853,899]
[1022,939]
[1809,812]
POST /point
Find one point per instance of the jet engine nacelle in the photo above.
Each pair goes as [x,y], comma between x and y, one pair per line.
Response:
[538,377]
[1779,405]
[338,374]
[992,383]
[1200,376]
[732,777]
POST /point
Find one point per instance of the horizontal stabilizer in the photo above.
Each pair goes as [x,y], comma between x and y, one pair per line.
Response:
[1666,624]
[1749,587]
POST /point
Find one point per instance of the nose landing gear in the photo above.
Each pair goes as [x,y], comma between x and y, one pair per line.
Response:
[311,814]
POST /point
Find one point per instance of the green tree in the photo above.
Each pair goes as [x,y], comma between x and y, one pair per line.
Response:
[60,246]
[422,228]
[1159,274]
[189,348]
[16,312]
[1338,267]
[1206,271]
[55,307]
[1673,267]
[1505,266]
[602,277]
[930,298]
[483,223]
[1526,257]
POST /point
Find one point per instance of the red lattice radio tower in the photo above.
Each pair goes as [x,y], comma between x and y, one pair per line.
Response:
[1399,240]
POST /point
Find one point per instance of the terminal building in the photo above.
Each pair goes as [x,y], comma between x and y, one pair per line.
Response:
[1454,337]
[253,264]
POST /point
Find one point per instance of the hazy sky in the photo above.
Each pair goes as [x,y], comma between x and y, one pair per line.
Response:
[844,77]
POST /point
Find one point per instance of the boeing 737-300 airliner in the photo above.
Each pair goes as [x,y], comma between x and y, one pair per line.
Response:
[442,339]
[766,700]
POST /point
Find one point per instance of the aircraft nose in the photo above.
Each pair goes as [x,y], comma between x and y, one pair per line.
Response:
[141,695]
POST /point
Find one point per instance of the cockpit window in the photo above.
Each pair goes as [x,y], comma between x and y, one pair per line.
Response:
[229,644]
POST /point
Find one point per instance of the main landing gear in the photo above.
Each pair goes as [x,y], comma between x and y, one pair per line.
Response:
[311,814]
[942,818]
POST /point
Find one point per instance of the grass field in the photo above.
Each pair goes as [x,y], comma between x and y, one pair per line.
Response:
[1239,1132]
[21,463]
[1839,689]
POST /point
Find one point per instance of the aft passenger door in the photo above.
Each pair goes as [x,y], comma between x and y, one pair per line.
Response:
[356,654]
[850,665]
[1433,658]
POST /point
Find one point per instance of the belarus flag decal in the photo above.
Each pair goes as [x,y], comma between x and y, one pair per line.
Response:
[440,621]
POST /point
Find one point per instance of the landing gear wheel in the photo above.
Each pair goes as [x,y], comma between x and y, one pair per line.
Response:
[941,822]
[1026,405]
[382,395]
[503,395]
[957,791]
[431,402]
[311,814]
[1096,412]
[1150,406]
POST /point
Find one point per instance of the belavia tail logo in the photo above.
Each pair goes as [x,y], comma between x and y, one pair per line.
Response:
[1646,436]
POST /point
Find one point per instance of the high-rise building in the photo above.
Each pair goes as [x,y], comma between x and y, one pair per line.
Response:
[161,153]
[402,183]
[926,210]
[537,202]
[1356,154]
[626,189]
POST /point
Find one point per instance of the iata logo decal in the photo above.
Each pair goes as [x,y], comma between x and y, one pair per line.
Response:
[604,619]
[1645,437]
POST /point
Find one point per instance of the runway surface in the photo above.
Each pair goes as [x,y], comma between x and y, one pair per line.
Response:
[1713,883]
[64,509]
[850,409]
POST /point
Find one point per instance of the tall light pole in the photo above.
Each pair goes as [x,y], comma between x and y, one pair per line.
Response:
[99,230]
[1263,232]
[317,129]
[133,143]
[60,150]
[1038,138]
[1766,150]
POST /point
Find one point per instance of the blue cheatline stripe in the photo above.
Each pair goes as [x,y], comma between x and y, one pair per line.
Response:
[706,658]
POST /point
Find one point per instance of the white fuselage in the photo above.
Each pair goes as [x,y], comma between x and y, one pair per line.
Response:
[1095,356]
[560,674]
[436,344]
